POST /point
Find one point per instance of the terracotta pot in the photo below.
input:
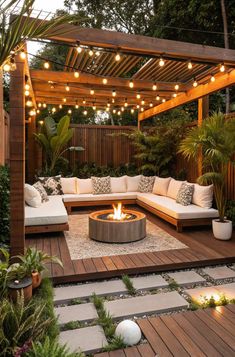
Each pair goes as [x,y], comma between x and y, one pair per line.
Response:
[222,230]
[36,279]
[16,287]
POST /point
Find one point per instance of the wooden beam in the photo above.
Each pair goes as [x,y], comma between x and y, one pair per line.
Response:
[89,79]
[203,112]
[221,82]
[17,158]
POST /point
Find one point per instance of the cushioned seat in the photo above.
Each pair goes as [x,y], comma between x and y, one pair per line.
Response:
[51,212]
[84,197]
[176,210]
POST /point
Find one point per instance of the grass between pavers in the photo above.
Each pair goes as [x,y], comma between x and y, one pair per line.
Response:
[210,302]
[129,285]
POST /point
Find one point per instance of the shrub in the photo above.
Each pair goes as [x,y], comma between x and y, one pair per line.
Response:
[86,170]
[230,211]
[4,204]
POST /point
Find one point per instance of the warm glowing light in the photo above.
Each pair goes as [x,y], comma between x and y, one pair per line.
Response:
[67,87]
[76,74]
[85,112]
[113,100]
[108,105]
[26,93]
[22,54]
[32,112]
[222,68]
[122,109]
[60,106]
[39,105]
[157,97]
[41,122]
[83,102]
[212,78]
[44,105]
[126,104]
[29,103]
[154,86]
[117,57]
[97,53]
[137,106]
[38,111]
[151,105]
[142,101]
[138,95]
[79,48]
[94,107]
[177,87]
[163,100]
[69,111]
[27,86]
[92,92]
[190,65]
[107,109]
[105,81]
[7,67]
[118,213]
[132,111]
[131,84]
[114,93]
[90,52]
[64,100]
[142,109]
[195,82]
[161,62]
[174,95]
[76,106]
[53,110]
[119,113]
[46,65]
[114,111]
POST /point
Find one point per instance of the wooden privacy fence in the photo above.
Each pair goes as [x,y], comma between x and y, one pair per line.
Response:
[103,145]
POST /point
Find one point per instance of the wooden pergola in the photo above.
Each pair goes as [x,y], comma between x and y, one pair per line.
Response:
[152,76]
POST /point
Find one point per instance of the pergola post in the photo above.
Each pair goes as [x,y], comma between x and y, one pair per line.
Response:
[17,157]
[31,154]
[203,112]
[2,123]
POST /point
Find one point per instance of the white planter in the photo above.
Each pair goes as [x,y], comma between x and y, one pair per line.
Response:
[222,230]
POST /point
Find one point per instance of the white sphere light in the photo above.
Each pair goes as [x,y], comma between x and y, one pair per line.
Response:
[129,331]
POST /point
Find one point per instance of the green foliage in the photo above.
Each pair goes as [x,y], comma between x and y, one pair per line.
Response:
[86,170]
[76,301]
[129,284]
[173,284]
[4,264]
[72,325]
[53,139]
[5,204]
[115,344]
[50,348]
[215,137]
[230,211]
[35,260]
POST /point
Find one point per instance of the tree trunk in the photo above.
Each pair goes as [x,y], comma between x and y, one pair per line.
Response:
[226,45]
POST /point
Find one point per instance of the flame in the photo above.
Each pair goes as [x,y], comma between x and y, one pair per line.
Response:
[117,212]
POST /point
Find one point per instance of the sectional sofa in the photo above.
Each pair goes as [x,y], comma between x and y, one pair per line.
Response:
[52,215]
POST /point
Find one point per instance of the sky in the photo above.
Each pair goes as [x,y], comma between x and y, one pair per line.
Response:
[45,5]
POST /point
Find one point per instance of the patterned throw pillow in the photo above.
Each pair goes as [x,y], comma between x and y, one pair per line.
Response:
[101,185]
[41,190]
[185,194]
[146,184]
[52,185]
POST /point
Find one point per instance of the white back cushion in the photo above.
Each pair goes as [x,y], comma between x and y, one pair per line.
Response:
[160,186]
[132,183]
[203,196]
[173,188]
[118,184]
[32,196]
[84,186]
[69,184]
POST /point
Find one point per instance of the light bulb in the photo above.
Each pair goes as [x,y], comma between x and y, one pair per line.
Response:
[94,107]
[212,78]
[174,95]
[91,52]
[7,67]
[119,113]
[107,109]
[126,104]
[53,110]
[26,93]
[122,109]
[142,101]
[46,65]
[117,57]
[78,48]
[190,65]
[161,62]
[76,74]
[132,111]
[32,112]
[60,106]
[64,100]
[151,104]
[177,87]
[39,105]
[138,96]
[114,111]
[131,84]
[85,112]
[92,91]
[163,100]
[137,106]
[29,103]
[114,93]
[108,104]
[154,86]
[142,109]
[84,102]
[44,105]
[22,54]
[157,97]
[76,106]
[113,100]
[41,122]
[67,87]
[97,53]
[195,83]
[69,111]
[105,81]
[38,111]
[27,86]
[222,68]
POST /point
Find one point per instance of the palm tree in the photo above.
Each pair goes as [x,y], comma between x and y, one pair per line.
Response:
[216,138]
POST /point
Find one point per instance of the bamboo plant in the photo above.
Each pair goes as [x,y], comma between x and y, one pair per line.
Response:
[216,139]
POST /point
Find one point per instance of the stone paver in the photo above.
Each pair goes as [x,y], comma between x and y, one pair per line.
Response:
[82,312]
[149,282]
[149,304]
[64,294]
[87,339]
[186,277]
[220,273]
[198,294]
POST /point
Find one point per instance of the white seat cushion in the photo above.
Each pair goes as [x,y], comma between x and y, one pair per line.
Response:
[118,184]
[102,197]
[173,188]
[176,210]
[50,212]
[69,184]
[132,183]
[84,186]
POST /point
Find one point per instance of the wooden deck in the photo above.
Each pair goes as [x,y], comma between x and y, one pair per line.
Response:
[208,332]
[202,250]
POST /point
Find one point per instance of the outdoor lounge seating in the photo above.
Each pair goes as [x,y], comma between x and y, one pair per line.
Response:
[52,215]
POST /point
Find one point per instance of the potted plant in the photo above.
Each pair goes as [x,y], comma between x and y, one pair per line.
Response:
[19,283]
[34,262]
[215,138]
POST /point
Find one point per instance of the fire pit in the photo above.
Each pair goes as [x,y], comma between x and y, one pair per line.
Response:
[117,225]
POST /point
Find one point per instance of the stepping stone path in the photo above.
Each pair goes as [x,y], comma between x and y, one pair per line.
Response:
[104,288]
[186,277]
[198,294]
[219,273]
[82,313]
[87,339]
[143,305]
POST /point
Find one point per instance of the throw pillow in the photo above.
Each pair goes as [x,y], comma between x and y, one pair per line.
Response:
[52,185]
[132,183]
[173,188]
[41,190]
[118,184]
[32,196]
[146,184]
[161,186]
[84,186]
[101,185]
[185,194]
[203,196]
[69,184]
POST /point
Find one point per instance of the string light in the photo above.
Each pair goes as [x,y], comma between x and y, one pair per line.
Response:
[76,74]
[76,106]
[69,111]
[46,65]
[190,65]
[131,84]
[138,95]
[39,105]
[13,64]
[67,88]
[85,112]
[32,112]
[94,107]
[26,93]
[195,83]
[117,57]
[132,111]
[113,100]
[161,62]
[7,67]
[122,109]
[107,109]
[22,54]
[142,101]
[137,106]
[29,103]
[108,105]
[154,86]
[114,111]
[151,105]
[97,53]
[38,111]
[92,92]
[90,52]
[27,86]
[53,110]
[157,97]
[119,113]
[78,47]
[142,109]
[84,101]
[105,81]
[212,78]
[41,122]
[222,68]
[44,105]
[64,100]
[174,95]
[163,100]
[125,104]
[114,93]
[60,106]
[177,87]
